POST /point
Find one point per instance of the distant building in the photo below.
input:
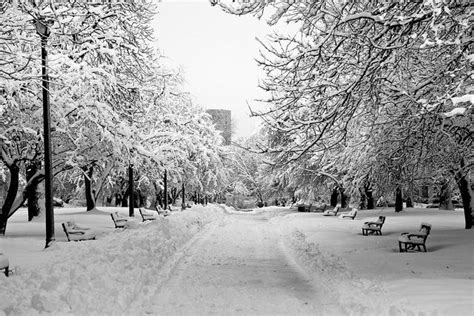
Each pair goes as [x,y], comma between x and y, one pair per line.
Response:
[222,121]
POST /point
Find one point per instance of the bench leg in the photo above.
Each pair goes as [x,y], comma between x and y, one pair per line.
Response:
[400,246]
[6,271]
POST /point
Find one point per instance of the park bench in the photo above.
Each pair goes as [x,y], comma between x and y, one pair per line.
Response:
[119,221]
[351,215]
[146,216]
[319,208]
[332,212]
[161,211]
[174,208]
[304,207]
[76,233]
[374,228]
[4,264]
[410,241]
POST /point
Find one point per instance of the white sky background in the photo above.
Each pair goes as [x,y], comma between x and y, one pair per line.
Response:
[217,51]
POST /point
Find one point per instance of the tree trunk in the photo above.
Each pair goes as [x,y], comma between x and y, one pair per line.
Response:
[174,195]
[108,200]
[158,197]
[370,197]
[139,198]
[409,202]
[409,198]
[125,198]
[100,185]
[464,183]
[32,191]
[125,201]
[334,195]
[183,201]
[344,199]
[430,193]
[362,204]
[445,197]
[398,200]
[90,198]
[118,199]
[11,196]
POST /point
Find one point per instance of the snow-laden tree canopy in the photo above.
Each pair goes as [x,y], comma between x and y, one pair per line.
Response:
[113,102]
[352,69]
[367,92]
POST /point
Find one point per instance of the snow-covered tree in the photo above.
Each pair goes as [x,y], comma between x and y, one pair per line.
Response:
[95,50]
[353,68]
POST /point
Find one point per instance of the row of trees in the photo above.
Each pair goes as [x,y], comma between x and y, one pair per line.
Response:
[367,95]
[364,96]
[113,104]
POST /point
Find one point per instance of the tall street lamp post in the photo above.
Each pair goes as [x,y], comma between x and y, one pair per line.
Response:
[131,206]
[130,196]
[165,180]
[42,28]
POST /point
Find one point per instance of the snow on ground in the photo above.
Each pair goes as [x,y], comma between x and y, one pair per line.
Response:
[238,267]
[122,271]
[368,274]
[109,275]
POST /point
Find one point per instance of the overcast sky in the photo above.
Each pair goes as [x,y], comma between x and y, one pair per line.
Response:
[217,52]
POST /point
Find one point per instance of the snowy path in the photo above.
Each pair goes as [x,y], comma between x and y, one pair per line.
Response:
[237,267]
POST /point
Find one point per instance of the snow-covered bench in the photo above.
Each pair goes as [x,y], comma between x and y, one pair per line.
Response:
[76,233]
[410,241]
[146,216]
[174,208]
[319,208]
[119,221]
[162,211]
[373,227]
[352,214]
[332,212]
[4,264]
[304,207]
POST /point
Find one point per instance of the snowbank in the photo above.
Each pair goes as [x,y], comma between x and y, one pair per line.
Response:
[368,275]
[110,275]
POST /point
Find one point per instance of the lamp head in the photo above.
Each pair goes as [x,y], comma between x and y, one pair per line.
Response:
[43,27]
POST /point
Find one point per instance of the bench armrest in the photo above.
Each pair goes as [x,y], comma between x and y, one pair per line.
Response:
[76,232]
[416,235]
[374,224]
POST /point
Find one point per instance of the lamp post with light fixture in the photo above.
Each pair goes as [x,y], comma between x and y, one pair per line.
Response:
[43,29]
[130,186]
[165,180]
[131,201]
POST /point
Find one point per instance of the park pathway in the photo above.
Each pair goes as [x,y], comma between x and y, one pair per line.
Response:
[237,267]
